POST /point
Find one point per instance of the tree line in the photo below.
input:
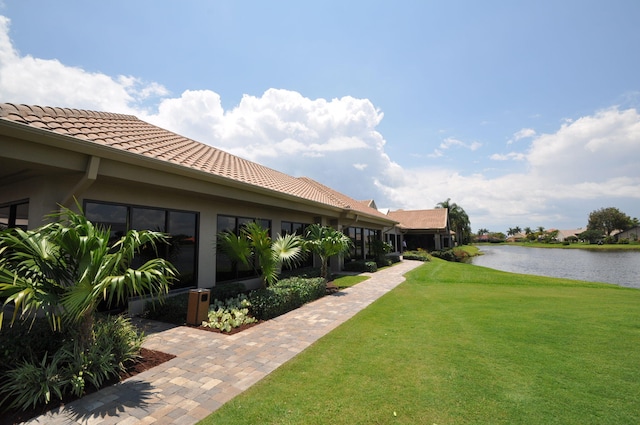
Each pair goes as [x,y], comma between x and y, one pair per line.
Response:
[602,225]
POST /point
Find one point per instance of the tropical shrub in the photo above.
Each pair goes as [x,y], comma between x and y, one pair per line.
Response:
[25,340]
[419,255]
[361,266]
[254,247]
[37,378]
[66,268]
[445,254]
[229,314]
[394,258]
[227,290]
[284,296]
[380,249]
[325,242]
[172,310]
[33,382]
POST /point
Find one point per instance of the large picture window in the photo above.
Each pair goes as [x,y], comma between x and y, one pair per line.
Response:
[182,226]
[226,268]
[15,214]
[293,228]
[362,239]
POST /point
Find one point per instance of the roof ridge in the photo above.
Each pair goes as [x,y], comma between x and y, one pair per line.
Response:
[41,111]
[128,133]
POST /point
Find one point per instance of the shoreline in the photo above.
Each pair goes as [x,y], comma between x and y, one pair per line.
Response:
[588,247]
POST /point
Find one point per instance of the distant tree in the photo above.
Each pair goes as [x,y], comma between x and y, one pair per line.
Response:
[458,219]
[550,236]
[514,231]
[527,231]
[483,231]
[497,237]
[591,235]
[609,219]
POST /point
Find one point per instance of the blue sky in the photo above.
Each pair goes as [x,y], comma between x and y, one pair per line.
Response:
[523,113]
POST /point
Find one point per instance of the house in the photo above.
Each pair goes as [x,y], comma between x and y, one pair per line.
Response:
[568,234]
[128,174]
[630,234]
[425,229]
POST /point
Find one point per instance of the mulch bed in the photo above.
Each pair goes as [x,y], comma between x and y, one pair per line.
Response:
[149,359]
[233,331]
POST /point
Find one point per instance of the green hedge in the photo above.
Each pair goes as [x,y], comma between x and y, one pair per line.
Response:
[227,290]
[416,255]
[361,266]
[284,296]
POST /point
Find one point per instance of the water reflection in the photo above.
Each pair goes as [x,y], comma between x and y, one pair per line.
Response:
[618,267]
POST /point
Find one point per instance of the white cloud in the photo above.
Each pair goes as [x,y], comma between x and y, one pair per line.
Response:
[450,141]
[588,161]
[592,161]
[514,156]
[25,79]
[522,134]
[360,167]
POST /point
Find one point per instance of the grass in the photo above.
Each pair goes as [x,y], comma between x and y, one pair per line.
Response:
[462,344]
[348,281]
[471,250]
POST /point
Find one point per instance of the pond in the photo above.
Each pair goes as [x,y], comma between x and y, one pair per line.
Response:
[617,267]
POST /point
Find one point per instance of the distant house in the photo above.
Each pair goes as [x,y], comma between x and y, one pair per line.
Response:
[129,174]
[568,234]
[425,229]
[518,237]
[632,234]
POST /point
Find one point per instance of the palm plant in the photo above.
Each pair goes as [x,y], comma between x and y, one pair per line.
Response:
[458,219]
[64,269]
[253,247]
[326,242]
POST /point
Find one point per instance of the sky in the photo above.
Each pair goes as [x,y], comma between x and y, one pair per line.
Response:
[523,113]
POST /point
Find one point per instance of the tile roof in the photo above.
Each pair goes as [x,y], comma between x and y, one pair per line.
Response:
[421,219]
[130,134]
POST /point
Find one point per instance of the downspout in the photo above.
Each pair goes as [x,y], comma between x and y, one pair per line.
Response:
[90,176]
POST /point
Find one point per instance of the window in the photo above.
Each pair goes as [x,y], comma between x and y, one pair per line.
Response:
[226,268]
[361,239]
[182,226]
[291,228]
[15,214]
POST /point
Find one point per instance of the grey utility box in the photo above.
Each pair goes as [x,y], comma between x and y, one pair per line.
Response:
[198,307]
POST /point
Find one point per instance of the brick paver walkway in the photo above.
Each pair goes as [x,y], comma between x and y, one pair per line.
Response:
[210,369]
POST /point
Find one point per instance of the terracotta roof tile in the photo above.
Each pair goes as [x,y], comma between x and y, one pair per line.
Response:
[130,134]
[421,219]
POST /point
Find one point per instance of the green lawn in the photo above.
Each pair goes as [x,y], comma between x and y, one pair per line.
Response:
[348,280]
[461,344]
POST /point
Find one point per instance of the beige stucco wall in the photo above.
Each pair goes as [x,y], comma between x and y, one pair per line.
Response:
[52,175]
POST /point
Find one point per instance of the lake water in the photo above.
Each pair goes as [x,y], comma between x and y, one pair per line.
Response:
[618,267]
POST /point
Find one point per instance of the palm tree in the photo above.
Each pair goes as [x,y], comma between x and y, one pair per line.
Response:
[64,269]
[458,219]
[254,247]
[326,242]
